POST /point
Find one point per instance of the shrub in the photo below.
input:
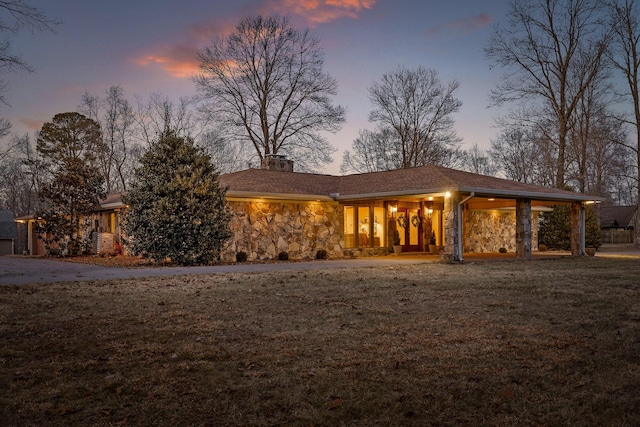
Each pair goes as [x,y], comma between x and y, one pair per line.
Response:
[322,254]
[241,256]
[555,228]
[542,248]
[117,249]
[283,256]
[502,250]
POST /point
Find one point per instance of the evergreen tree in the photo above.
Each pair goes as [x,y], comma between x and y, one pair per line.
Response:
[555,228]
[177,210]
[74,186]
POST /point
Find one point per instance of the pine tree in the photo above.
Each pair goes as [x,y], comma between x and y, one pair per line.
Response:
[177,210]
[555,228]
[75,186]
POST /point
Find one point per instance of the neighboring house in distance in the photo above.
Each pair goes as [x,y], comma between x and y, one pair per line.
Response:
[8,232]
[617,223]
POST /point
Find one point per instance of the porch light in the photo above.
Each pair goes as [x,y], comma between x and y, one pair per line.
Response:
[447,194]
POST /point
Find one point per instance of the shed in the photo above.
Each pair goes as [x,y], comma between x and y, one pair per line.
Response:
[8,232]
[617,223]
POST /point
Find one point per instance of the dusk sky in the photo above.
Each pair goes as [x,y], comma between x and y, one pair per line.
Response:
[150,45]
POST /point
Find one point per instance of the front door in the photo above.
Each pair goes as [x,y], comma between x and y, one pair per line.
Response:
[410,229]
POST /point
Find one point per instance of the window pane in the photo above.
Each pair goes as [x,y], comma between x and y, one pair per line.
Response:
[349,227]
[414,223]
[378,227]
[364,227]
[402,224]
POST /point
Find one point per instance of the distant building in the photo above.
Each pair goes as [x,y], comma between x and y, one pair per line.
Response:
[617,223]
[8,232]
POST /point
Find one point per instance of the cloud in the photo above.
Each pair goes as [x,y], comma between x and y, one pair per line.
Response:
[181,60]
[32,124]
[463,25]
[316,12]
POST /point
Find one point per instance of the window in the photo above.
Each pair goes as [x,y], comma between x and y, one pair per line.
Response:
[349,227]
[364,226]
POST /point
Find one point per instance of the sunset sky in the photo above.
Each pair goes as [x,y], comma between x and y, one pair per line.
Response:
[151,45]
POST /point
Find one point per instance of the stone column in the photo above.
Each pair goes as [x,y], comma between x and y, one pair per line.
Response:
[523,228]
[451,232]
[577,229]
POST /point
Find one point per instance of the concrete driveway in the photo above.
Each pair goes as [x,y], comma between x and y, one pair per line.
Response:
[19,270]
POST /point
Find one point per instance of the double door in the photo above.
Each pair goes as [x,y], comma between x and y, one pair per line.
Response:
[409,225]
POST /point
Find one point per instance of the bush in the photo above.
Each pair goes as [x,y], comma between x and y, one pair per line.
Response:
[241,256]
[555,228]
[177,208]
[502,250]
[283,256]
[117,249]
[542,248]
[322,254]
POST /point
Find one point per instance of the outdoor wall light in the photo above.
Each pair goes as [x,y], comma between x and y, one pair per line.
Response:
[447,194]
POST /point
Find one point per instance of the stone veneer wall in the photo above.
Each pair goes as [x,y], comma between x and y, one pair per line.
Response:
[488,231]
[264,229]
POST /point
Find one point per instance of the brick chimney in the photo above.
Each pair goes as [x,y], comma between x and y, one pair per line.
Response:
[276,162]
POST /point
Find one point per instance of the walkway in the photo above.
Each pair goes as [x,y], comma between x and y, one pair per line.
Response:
[19,270]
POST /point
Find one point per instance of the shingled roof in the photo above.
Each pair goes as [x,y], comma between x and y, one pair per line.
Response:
[617,216]
[8,229]
[396,183]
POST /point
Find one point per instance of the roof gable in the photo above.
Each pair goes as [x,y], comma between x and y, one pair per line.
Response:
[617,216]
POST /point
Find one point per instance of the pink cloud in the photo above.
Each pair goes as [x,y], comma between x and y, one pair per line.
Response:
[180,60]
[32,124]
[316,12]
[464,25]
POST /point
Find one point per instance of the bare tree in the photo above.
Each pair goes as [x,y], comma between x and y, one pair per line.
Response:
[626,58]
[372,151]
[20,177]
[14,16]
[479,161]
[157,114]
[419,109]
[116,117]
[514,152]
[552,50]
[264,84]
[226,155]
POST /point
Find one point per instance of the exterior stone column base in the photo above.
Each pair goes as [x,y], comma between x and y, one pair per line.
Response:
[446,258]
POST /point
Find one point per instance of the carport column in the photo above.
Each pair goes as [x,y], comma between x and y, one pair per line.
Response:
[452,234]
[577,229]
[523,228]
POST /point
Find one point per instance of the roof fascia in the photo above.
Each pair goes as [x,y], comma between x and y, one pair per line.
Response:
[278,196]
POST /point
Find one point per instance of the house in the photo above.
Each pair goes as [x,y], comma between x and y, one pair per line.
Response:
[275,209]
[617,223]
[102,228]
[8,232]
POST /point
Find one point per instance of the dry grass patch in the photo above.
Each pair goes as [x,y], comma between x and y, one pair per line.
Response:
[548,342]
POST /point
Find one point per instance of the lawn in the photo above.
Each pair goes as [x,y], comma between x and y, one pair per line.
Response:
[544,342]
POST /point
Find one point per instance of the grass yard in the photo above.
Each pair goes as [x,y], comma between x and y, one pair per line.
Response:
[546,342]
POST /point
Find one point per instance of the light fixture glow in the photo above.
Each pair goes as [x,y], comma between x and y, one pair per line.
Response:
[447,194]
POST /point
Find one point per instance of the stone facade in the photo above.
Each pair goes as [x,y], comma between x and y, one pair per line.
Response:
[264,229]
[488,231]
